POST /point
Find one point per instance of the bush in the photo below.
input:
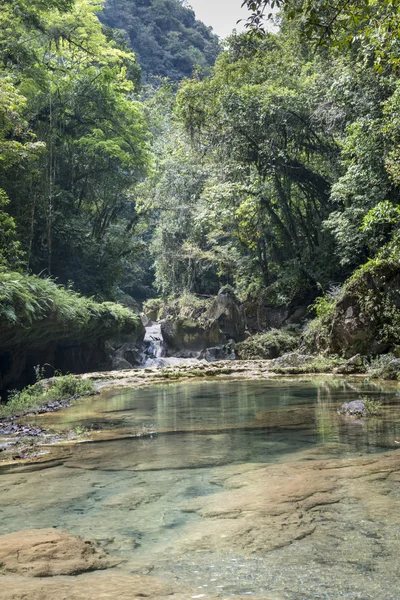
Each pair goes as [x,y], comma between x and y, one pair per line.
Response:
[41,393]
[386,366]
[372,407]
[268,345]
[38,310]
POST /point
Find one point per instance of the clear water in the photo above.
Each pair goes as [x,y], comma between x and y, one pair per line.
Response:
[246,488]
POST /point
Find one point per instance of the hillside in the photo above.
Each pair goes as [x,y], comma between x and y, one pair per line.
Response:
[166,37]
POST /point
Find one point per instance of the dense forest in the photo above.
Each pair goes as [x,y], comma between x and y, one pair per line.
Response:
[167,39]
[275,171]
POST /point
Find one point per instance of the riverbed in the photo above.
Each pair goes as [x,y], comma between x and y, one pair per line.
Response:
[237,488]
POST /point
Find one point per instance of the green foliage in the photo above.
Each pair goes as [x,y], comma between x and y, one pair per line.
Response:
[373,407]
[371,26]
[258,121]
[324,306]
[386,366]
[10,249]
[37,310]
[36,396]
[186,306]
[73,141]
[268,345]
[165,36]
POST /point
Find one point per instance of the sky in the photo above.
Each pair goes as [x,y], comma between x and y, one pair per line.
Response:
[222,15]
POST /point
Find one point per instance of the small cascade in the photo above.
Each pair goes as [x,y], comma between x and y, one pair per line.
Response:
[153,345]
[154,350]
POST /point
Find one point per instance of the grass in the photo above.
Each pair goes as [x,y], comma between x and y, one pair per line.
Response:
[373,407]
[320,364]
[38,310]
[41,393]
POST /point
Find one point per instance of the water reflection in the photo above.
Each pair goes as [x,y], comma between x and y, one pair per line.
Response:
[308,410]
[255,472]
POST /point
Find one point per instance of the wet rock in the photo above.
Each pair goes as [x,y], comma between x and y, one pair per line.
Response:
[100,586]
[92,586]
[124,353]
[226,352]
[356,408]
[49,552]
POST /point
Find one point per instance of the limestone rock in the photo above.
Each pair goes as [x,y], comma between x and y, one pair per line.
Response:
[187,334]
[49,552]
[226,310]
[292,359]
[365,318]
[226,352]
[356,408]
[355,364]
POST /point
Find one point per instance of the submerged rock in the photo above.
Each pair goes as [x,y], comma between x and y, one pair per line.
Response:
[49,552]
[356,408]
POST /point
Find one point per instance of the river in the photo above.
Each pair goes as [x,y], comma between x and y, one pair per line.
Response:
[237,488]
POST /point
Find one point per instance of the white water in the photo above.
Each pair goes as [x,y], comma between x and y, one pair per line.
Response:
[155,350]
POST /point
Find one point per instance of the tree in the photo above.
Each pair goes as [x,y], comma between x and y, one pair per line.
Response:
[165,35]
[76,89]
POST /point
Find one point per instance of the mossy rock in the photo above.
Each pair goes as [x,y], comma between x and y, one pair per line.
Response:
[268,345]
[365,319]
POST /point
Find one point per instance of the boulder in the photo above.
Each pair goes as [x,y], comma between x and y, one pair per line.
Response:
[225,309]
[356,408]
[125,352]
[355,364]
[49,552]
[292,359]
[226,352]
[189,335]
[261,315]
[366,319]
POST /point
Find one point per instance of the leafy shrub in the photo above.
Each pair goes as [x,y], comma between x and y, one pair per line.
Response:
[186,306]
[41,393]
[385,366]
[373,407]
[39,310]
[268,345]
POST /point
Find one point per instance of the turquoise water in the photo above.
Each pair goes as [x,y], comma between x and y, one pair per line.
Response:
[160,502]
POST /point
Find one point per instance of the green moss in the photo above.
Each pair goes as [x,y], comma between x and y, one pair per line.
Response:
[38,395]
[267,345]
[37,310]
[321,364]
[369,289]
